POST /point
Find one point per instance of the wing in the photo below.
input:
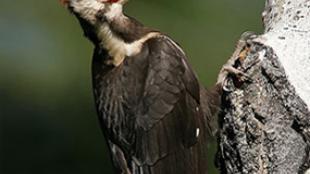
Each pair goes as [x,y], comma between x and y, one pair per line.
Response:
[170,124]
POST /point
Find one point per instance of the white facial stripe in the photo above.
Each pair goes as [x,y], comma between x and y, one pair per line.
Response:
[117,48]
[115,10]
[87,8]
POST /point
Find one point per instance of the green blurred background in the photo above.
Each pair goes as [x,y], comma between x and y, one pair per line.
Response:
[48,122]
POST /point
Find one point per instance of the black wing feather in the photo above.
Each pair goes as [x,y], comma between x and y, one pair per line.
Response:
[170,114]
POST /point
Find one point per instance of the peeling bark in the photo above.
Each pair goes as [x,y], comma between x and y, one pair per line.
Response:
[265,122]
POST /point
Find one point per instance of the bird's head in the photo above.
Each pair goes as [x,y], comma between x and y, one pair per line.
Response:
[94,11]
[105,25]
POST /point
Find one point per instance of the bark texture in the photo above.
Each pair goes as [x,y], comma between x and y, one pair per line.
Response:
[265,121]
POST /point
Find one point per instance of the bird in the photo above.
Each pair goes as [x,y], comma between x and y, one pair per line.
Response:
[154,113]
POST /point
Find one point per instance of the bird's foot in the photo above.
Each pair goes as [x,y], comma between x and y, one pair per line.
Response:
[239,75]
[240,54]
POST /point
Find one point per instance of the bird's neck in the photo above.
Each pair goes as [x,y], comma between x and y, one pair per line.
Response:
[119,42]
[122,37]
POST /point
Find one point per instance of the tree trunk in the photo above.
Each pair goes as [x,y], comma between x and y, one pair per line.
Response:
[265,121]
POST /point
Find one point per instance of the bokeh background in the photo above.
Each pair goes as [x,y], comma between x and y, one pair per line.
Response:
[47,116]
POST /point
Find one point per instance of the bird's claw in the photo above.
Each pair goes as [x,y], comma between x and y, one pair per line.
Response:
[238,73]
[240,54]
[228,69]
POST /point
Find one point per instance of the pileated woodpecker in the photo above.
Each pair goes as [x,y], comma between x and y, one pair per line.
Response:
[154,113]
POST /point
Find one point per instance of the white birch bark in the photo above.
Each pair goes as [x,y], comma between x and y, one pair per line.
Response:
[265,124]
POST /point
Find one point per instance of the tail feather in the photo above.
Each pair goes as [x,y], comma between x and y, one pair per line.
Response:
[210,101]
